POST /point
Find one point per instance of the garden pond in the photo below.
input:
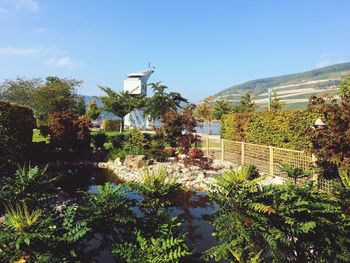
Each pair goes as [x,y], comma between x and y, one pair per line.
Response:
[193,208]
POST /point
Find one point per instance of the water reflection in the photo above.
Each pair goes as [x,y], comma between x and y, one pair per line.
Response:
[190,207]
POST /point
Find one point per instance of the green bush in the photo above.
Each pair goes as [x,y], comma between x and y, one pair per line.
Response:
[16,132]
[276,223]
[99,140]
[111,125]
[280,128]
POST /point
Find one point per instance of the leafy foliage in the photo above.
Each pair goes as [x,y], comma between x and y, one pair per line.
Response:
[56,95]
[165,247]
[161,103]
[221,107]
[280,128]
[344,87]
[111,125]
[16,132]
[276,223]
[297,173]
[156,184]
[31,185]
[99,140]
[331,143]
[19,91]
[276,103]
[120,103]
[93,112]
[68,131]
[178,128]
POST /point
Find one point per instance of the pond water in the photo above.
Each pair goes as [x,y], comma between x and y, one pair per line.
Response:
[191,207]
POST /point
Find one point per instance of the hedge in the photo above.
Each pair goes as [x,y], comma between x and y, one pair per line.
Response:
[281,128]
[111,125]
[16,132]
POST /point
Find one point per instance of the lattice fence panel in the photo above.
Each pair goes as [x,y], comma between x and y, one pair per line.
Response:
[292,158]
[233,151]
[257,155]
[324,184]
[215,148]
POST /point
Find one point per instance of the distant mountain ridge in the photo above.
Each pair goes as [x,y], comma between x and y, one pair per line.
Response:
[293,89]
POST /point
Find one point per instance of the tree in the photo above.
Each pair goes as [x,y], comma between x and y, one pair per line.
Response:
[344,87]
[80,108]
[19,91]
[93,112]
[331,142]
[68,131]
[56,95]
[245,104]
[178,128]
[162,102]
[276,103]
[204,111]
[120,103]
[221,107]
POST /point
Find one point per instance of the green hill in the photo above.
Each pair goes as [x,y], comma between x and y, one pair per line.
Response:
[294,89]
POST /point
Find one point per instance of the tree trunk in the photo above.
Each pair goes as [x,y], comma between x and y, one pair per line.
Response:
[121,127]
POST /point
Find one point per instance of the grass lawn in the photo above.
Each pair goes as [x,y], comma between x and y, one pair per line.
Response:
[37,137]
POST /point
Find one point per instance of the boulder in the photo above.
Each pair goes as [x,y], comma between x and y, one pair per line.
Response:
[136,161]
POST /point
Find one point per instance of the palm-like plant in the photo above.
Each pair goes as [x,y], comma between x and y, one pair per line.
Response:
[296,173]
[157,183]
[19,217]
[31,185]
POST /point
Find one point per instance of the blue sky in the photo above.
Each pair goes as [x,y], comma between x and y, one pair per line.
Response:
[199,47]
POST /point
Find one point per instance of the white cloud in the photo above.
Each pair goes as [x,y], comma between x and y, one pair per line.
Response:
[27,5]
[64,62]
[20,51]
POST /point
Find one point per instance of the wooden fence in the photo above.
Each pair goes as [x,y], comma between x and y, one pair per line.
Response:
[266,158]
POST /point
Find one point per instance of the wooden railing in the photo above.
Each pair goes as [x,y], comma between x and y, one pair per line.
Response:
[266,158]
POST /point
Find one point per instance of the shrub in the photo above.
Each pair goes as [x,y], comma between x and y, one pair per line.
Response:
[195,153]
[16,132]
[29,184]
[280,128]
[99,140]
[68,131]
[118,140]
[331,143]
[276,223]
[111,125]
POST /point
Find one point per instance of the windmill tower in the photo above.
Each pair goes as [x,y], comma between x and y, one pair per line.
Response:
[136,84]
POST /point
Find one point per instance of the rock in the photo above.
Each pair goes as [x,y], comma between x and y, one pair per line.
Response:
[136,161]
[2,220]
[117,162]
[218,164]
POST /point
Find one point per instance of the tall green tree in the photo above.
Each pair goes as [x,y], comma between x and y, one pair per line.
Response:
[245,104]
[120,103]
[276,103]
[19,90]
[204,111]
[93,112]
[344,87]
[56,95]
[221,107]
[162,102]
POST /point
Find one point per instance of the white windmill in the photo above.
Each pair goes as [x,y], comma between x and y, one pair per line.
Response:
[136,84]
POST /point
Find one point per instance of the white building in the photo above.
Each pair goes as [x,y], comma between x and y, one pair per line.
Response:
[136,83]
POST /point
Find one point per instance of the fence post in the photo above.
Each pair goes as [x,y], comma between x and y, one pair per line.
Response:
[271,160]
[242,154]
[207,145]
[222,150]
[316,175]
